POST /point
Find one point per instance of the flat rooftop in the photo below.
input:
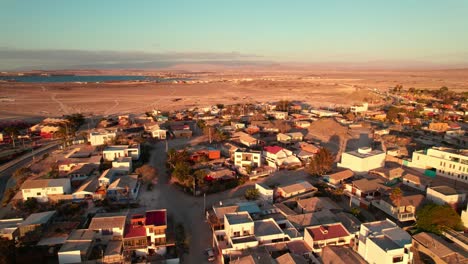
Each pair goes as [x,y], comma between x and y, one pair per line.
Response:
[82,246]
[241,240]
[445,190]
[238,218]
[365,155]
[266,228]
[385,243]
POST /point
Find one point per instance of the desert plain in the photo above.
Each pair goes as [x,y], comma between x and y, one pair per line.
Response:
[315,87]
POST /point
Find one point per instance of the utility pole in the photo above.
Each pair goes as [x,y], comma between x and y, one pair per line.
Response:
[209,134]
[204,203]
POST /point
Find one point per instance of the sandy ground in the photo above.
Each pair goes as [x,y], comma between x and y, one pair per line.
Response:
[317,88]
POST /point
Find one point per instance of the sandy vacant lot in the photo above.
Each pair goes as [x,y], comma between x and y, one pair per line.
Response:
[318,88]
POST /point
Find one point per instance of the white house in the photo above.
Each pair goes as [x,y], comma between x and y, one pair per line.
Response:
[41,189]
[108,226]
[109,175]
[384,242]
[101,138]
[446,162]
[238,233]
[278,114]
[445,195]
[321,236]
[123,188]
[323,113]
[277,156]
[362,160]
[363,191]
[289,137]
[266,193]
[123,163]
[287,191]
[403,210]
[247,158]
[359,108]
[417,182]
[267,231]
[111,153]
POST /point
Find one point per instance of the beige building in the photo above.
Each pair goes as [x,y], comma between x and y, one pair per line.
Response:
[247,158]
[362,160]
[101,138]
[445,195]
[446,162]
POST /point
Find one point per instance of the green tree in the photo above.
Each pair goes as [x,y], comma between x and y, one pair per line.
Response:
[182,172]
[252,194]
[199,177]
[396,195]
[148,173]
[321,163]
[436,218]
[174,157]
[12,131]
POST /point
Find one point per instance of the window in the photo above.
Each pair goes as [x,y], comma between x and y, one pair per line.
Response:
[246,233]
[397,259]
[38,194]
[236,234]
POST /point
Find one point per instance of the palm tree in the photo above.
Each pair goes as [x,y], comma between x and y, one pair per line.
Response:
[395,196]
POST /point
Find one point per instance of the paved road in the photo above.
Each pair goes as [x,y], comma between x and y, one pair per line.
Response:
[7,169]
[187,209]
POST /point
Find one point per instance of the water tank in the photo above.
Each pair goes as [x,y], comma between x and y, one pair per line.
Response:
[364,150]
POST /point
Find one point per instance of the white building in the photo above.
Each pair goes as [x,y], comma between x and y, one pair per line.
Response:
[277,156]
[445,195]
[247,158]
[362,160]
[101,138]
[384,242]
[278,114]
[323,113]
[41,189]
[111,153]
[108,226]
[360,108]
[123,163]
[321,236]
[447,162]
[266,193]
[464,217]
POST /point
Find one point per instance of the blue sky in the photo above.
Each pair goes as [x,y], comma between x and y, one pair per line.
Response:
[308,31]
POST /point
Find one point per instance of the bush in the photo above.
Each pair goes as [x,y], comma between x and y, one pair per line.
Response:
[8,195]
[252,194]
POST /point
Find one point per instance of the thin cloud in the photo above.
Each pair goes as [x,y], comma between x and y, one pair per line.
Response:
[61,58]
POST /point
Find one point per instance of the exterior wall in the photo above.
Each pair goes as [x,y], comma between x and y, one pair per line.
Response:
[122,165]
[265,194]
[361,165]
[41,194]
[404,213]
[159,134]
[110,155]
[317,246]
[464,217]
[101,139]
[441,199]
[69,257]
[243,159]
[372,253]
[445,163]
[269,239]
[244,229]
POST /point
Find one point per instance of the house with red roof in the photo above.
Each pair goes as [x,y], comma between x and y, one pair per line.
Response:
[146,233]
[277,157]
[321,236]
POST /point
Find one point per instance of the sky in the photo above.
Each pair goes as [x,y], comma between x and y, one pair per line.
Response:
[111,33]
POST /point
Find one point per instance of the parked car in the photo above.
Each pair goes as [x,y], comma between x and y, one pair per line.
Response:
[210,254]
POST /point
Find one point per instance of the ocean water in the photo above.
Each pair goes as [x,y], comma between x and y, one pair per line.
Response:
[85,78]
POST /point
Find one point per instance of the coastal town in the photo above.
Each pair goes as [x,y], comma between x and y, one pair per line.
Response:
[280,182]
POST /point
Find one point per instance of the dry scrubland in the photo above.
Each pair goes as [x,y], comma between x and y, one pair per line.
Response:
[318,88]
